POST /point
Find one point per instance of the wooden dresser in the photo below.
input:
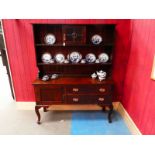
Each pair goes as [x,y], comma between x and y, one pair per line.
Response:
[74,84]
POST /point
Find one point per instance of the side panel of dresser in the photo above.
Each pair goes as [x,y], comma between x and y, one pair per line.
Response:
[49,94]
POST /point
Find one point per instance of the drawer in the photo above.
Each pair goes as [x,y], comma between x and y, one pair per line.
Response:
[88,99]
[88,89]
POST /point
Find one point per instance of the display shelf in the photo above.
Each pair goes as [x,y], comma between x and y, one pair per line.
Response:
[83,45]
[74,64]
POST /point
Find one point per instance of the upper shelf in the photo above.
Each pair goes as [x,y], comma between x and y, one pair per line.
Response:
[83,45]
[75,64]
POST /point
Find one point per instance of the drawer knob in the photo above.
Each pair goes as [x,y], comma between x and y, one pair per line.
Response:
[75,99]
[102,90]
[75,89]
[101,99]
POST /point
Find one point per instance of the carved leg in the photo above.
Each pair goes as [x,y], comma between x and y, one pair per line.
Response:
[103,108]
[110,113]
[45,109]
[38,114]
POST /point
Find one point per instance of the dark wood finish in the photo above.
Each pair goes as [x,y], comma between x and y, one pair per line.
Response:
[74,85]
[38,113]
[103,108]
[73,81]
[110,114]
[74,34]
[85,99]
[45,109]
[53,94]
[87,89]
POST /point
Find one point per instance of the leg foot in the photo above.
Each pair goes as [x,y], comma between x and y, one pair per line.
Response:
[45,109]
[38,114]
[110,113]
[38,122]
[103,108]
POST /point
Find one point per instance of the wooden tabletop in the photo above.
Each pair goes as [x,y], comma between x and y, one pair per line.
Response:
[73,80]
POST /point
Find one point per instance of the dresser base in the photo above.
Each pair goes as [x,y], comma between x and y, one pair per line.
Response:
[73,92]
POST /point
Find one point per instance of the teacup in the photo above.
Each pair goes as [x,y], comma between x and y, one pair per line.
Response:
[97,61]
[101,78]
[66,61]
[101,73]
[45,78]
[51,61]
[94,75]
[54,76]
[83,61]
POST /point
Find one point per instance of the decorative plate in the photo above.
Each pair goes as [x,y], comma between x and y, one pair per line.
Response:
[59,58]
[90,58]
[74,57]
[50,39]
[96,39]
[103,57]
[46,57]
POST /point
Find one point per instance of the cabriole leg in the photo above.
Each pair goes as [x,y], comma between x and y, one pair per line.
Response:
[110,113]
[45,109]
[38,113]
[103,108]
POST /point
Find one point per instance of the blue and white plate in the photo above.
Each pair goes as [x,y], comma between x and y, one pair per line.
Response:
[96,39]
[50,39]
[90,58]
[103,57]
[74,57]
[59,58]
[46,57]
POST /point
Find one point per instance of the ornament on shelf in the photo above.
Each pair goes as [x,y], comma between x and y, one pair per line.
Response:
[101,75]
[45,78]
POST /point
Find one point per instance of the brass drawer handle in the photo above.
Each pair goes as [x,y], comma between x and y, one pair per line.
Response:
[75,99]
[75,89]
[102,90]
[101,99]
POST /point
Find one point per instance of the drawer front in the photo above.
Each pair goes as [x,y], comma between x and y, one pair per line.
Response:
[88,89]
[88,99]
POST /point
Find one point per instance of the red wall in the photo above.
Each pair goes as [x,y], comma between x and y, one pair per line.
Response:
[139,89]
[21,52]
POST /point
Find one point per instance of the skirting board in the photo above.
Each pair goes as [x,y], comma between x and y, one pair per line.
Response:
[127,119]
[117,106]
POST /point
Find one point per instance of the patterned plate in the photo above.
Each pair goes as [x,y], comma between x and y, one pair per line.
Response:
[50,39]
[103,57]
[96,39]
[90,58]
[46,57]
[59,58]
[74,57]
